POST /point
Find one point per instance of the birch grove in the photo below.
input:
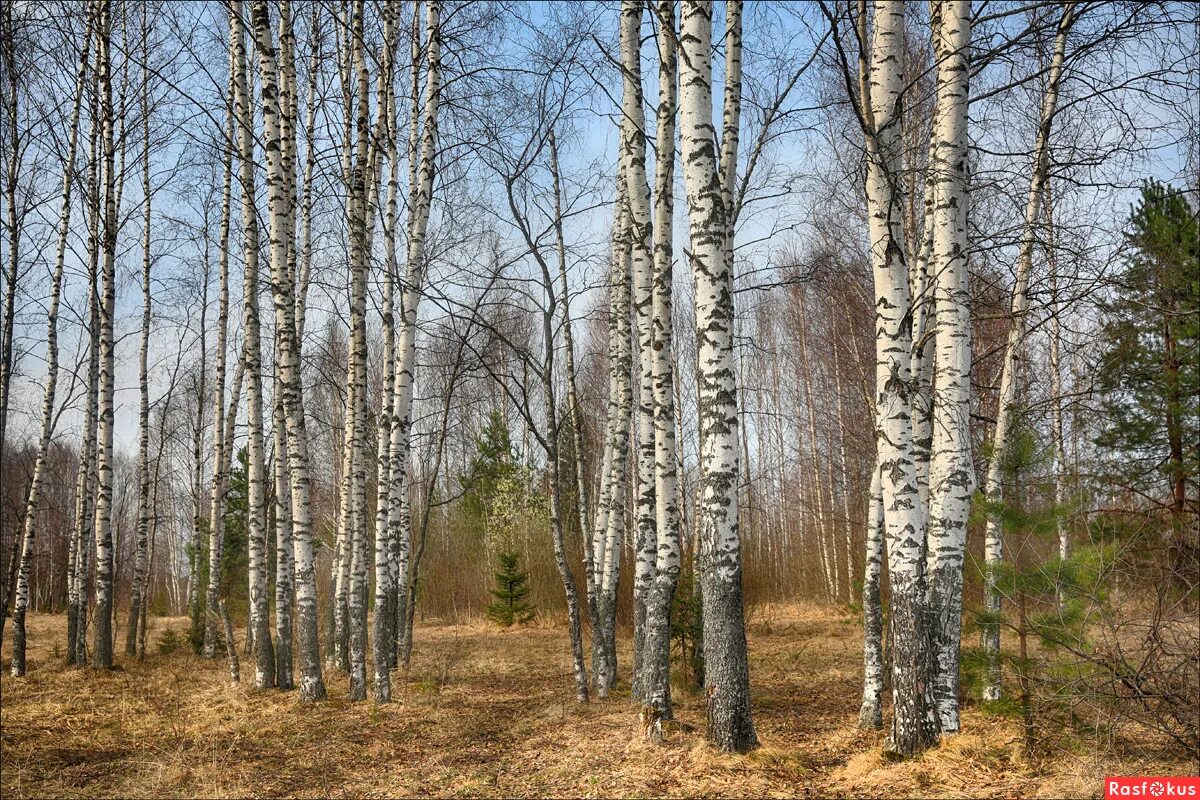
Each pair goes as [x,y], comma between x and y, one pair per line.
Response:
[913,348]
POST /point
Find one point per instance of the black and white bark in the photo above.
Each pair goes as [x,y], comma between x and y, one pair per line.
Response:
[633,162]
[1006,403]
[102,648]
[287,354]
[142,545]
[727,672]
[656,659]
[951,471]
[33,499]
[915,723]
[256,527]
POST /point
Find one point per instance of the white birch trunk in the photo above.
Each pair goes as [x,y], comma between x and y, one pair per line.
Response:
[727,674]
[33,500]
[216,518]
[914,726]
[138,586]
[633,158]
[102,656]
[951,471]
[287,354]
[611,537]
[421,198]
[256,528]
[656,658]
[1006,402]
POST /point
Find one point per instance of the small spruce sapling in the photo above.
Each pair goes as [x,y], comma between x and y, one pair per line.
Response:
[511,605]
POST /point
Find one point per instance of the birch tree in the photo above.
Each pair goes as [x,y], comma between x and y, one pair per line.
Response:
[422,171]
[914,724]
[359,217]
[141,554]
[256,527]
[656,658]
[1006,402]
[222,425]
[102,656]
[727,673]
[385,620]
[87,476]
[633,161]
[951,471]
[33,501]
[287,355]
[611,509]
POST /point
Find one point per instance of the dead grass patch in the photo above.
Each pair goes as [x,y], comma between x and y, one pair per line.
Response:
[488,713]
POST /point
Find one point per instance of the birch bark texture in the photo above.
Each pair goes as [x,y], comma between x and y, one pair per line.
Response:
[727,673]
[287,355]
[422,170]
[951,470]
[46,431]
[102,647]
[141,553]
[656,658]
[633,161]
[216,519]
[1006,402]
[256,526]
[914,723]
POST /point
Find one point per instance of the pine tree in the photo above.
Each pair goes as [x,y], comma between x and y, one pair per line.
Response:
[512,593]
[1151,338]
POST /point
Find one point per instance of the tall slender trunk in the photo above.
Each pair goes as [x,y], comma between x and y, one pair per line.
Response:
[1006,402]
[915,723]
[12,110]
[287,354]
[358,214]
[656,658]
[256,528]
[951,471]
[33,501]
[216,519]
[610,533]
[633,157]
[285,568]
[1056,388]
[86,481]
[422,170]
[385,623]
[870,714]
[141,553]
[727,673]
[102,656]
[573,407]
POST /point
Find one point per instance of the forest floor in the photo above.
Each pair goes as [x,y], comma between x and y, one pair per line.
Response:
[488,712]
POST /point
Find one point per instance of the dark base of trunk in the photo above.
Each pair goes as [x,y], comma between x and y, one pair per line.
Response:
[18,643]
[102,641]
[727,671]
[131,630]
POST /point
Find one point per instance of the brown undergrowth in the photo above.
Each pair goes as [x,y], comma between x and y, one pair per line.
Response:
[485,712]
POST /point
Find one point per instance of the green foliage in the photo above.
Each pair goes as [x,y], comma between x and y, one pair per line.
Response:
[169,641]
[235,558]
[1149,376]
[511,605]
[687,627]
[492,464]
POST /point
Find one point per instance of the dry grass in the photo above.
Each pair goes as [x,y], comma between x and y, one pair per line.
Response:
[488,712]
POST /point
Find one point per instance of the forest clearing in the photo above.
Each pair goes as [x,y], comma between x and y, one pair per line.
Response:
[485,712]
